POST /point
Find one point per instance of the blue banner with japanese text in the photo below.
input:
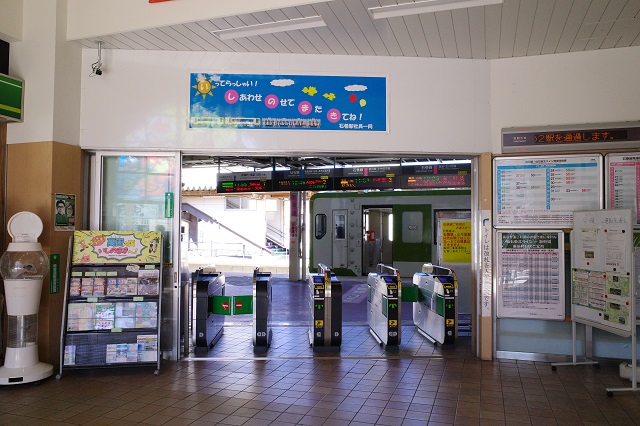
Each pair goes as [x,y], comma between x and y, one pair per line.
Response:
[288,102]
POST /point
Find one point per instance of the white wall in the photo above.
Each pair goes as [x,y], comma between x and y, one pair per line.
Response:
[11,20]
[141,101]
[573,88]
[50,67]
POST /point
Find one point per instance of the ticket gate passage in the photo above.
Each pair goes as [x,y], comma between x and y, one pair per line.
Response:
[325,309]
[383,306]
[434,314]
[261,311]
[208,326]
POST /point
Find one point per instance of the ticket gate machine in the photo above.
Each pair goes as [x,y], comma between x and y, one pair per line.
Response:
[383,306]
[434,315]
[208,326]
[261,311]
[325,309]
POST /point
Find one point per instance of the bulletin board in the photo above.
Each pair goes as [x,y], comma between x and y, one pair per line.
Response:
[544,191]
[603,274]
[530,274]
[622,181]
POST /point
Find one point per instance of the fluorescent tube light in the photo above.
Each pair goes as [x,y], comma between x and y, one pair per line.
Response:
[270,28]
[426,6]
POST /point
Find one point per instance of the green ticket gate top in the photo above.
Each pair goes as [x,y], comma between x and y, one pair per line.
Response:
[325,308]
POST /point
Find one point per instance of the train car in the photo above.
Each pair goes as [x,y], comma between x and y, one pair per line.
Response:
[352,232]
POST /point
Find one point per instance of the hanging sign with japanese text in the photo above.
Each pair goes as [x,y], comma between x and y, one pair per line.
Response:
[288,102]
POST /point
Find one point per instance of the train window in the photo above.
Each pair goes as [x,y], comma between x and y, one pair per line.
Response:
[340,226]
[321,225]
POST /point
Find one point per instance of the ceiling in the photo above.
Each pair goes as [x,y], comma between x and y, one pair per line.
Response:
[512,29]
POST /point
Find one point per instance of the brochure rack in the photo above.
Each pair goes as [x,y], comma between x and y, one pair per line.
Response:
[112,300]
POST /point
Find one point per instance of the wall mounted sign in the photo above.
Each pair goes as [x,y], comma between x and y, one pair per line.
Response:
[288,102]
[11,99]
[571,138]
[116,247]
[622,173]
[530,274]
[545,191]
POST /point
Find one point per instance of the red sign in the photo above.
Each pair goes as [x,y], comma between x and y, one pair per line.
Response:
[238,305]
[225,306]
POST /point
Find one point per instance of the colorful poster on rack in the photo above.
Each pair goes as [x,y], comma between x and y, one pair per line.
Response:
[623,183]
[288,102]
[530,275]
[95,247]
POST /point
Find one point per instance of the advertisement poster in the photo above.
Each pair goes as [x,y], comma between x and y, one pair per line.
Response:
[116,247]
[288,102]
[65,212]
[530,274]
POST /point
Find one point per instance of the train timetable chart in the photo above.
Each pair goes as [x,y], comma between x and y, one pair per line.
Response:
[545,191]
[623,183]
[530,281]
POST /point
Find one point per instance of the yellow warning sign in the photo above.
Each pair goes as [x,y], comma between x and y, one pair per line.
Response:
[456,241]
[319,323]
[393,323]
[450,322]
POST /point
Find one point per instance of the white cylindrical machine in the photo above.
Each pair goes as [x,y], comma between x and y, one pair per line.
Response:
[23,267]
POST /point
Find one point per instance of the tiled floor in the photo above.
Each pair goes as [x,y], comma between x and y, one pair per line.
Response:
[361,385]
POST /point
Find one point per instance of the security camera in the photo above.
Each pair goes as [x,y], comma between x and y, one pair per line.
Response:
[98,71]
[96,67]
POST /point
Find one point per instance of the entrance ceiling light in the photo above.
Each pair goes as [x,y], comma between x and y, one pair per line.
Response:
[270,28]
[426,6]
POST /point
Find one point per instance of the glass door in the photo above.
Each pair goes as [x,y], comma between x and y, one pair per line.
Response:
[141,192]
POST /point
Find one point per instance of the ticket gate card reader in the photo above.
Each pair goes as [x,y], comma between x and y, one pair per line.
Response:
[261,311]
[325,308]
[208,327]
[383,306]
[434,315]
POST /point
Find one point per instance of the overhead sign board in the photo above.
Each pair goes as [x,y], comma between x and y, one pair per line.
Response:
[11,99]
[288,102]
[571,138]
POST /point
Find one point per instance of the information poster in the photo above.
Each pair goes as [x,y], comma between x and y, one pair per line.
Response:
[93,247]
[455,244]
[543,192]
[603,277]
[288,102]
[623,183]
[530,274]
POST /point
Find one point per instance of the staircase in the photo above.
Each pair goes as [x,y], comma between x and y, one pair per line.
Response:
[276,241]
[276,248]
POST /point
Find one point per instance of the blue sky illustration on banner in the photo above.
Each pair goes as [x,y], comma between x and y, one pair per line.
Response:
[288,102]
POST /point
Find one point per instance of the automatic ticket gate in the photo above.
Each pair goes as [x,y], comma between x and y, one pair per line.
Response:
[208,326]
[261,311]
[434,314]
[325,309]
[383,305]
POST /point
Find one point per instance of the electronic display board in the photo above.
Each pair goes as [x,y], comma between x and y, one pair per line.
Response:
[435,176]
[244,182]
[612,135]
[303,180]
[377,177]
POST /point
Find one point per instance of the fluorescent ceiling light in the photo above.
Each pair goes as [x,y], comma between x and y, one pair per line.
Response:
[426,6]
[270,28]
